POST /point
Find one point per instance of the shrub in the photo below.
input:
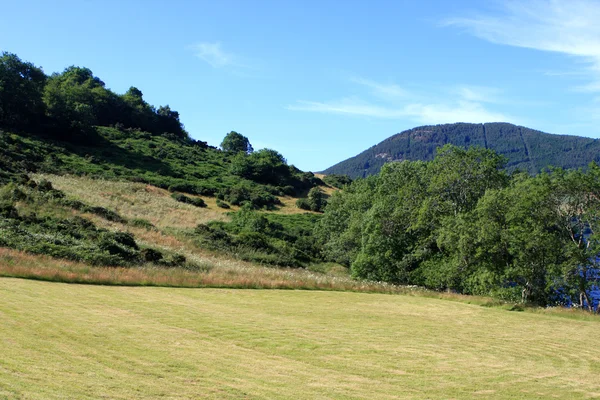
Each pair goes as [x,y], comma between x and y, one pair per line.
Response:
[222,204]
[142,223]
[337,181]
[151,255]
[253,240]
[195,201]
[317,199]
[176,260]
[303,204]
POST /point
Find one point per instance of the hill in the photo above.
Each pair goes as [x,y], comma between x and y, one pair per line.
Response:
[129,343]
[526,149]
[139,191]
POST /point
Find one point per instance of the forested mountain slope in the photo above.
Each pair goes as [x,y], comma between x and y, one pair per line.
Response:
[526,149]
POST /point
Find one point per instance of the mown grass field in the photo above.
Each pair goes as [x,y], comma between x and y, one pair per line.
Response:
[84,341]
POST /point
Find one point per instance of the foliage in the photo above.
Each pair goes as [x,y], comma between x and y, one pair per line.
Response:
[337,181]
[284,240]
[236,143]
[525,149]
[26,226]
[21,88]
[303,203]
[220,203]
[460,223]
[195,201]
[70,122]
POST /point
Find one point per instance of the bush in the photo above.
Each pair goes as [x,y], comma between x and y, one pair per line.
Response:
[253,240]
[195,201]
[222,204]
[317,199]
[337,181]
[177,260]
[142,223]
[303,204]
[151,255]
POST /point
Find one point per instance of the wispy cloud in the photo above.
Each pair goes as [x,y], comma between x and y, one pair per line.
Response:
[383,90]
[465,104]
[567,27]
[213,54]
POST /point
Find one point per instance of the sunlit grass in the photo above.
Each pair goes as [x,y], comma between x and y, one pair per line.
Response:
[84,341]
[137,200]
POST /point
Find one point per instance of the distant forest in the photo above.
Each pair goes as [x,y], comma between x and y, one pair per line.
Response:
[525,149]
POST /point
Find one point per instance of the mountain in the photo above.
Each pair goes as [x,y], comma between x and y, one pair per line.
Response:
[526,149]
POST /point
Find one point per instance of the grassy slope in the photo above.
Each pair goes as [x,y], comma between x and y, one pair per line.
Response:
[78,341]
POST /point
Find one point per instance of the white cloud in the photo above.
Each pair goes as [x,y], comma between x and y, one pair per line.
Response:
[384,90]
[464,105]
[213,54]
[568,27]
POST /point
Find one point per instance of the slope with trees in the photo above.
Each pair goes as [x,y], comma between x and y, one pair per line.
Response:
[525,149]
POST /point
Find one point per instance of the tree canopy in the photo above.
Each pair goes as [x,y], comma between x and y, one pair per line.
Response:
[236,143]
[461,223]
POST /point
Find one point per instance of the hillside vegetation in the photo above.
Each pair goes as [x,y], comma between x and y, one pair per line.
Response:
[129,343]
[106,180]
[525,149]
[69,123]
[460,222]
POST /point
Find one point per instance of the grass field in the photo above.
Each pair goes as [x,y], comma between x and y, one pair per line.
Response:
[83,341]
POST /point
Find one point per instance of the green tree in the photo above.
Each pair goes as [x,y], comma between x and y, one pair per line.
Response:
[340,229]
[74,99]
[263,166]
[317,199]
[389,250]
[21,89]
[236,143]
[576,196]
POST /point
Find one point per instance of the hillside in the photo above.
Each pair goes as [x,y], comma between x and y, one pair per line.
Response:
[526,149]
[107,179]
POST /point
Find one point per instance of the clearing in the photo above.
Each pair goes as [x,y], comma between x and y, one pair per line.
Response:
[86,341]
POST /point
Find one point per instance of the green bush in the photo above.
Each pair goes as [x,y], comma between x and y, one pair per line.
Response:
[222,204]
[142,223]
[303,204]
[151,255]
[195,201]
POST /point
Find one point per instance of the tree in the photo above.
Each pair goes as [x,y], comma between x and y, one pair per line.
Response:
[317,199]
[264,166]
[236,143]
[168,121]
[576,202]
[74,98]
[340,229]
[21,89]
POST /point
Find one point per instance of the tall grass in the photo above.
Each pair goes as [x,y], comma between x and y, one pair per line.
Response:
[22,265]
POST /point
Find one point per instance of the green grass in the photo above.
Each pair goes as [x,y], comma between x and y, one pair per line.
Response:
[82,341]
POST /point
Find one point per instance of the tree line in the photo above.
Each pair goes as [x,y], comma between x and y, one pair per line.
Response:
[462,223]
[69,104]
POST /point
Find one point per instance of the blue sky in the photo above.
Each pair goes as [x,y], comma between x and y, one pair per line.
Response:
[320,81]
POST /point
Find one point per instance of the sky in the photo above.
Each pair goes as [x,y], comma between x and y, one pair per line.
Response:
[321,81]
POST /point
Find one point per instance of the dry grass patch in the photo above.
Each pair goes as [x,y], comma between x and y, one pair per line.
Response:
[136,200]
[210,272]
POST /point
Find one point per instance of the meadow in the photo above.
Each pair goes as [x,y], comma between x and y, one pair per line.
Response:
[87,341]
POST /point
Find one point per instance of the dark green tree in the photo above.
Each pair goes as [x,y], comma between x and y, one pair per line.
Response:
[21,89]
[317,199]
[236,143]
[340,229]
[74,98]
